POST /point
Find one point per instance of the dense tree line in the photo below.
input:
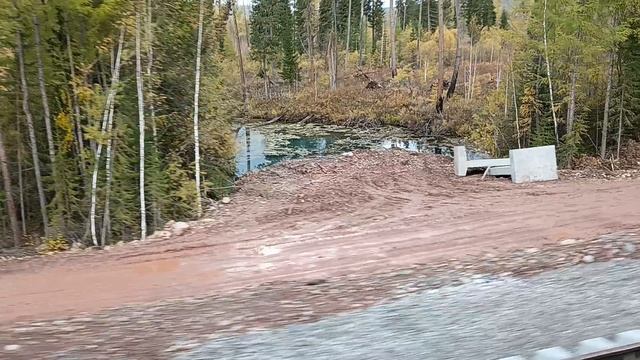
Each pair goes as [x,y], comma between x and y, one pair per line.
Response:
[97,124]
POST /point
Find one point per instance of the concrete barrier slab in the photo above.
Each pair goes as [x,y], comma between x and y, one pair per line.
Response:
[533,164]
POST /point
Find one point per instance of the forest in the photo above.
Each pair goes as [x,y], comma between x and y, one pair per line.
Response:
[117,116]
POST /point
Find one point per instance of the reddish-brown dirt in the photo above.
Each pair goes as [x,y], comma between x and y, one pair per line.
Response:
[315,219]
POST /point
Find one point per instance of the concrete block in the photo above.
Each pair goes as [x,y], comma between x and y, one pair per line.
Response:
[628,338]
[460,160]
[533,164]
[594,345]
[461,163]
[500,171]
[554,353]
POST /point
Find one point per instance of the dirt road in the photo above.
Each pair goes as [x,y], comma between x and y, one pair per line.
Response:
[316,219]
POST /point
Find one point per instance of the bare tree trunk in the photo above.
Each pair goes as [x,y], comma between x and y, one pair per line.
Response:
[428,15]
[456,65]
[32,133]
[333,49]
[196,109]
[546,58]
[106,216]
[115,78]
[418,55]
[150,93]
[246,26]
[311,49]
[243,78]
[404,16]
[43,92]
[620,124]
[141,126]
[8,193]
[346,55]
[440,99]
[382,43]
[515,109]
[607,101]
[333,59]
[76,104]
[506,98]
[363,35]
[571,109]
[23,218]
[392,39]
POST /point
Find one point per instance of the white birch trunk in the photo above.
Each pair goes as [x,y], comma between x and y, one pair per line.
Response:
[440,100]
[243,77]
[106,216]
[346,55]
[418,55]
[196,109]
[362,33]
[515,109]
[620,124]
[32,133]
[74,97]
[115,78]
[141,125]
[546,58]
[8,194]
[607,101]
[392,39]
[43,92]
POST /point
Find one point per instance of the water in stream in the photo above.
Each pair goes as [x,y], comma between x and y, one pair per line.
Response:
[262,145]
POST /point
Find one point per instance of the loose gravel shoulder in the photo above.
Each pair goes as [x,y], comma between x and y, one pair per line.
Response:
[479,320]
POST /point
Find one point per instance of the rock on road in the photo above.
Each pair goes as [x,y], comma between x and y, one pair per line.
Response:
[478,320]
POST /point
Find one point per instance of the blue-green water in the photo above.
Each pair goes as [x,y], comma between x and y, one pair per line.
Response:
[262,145]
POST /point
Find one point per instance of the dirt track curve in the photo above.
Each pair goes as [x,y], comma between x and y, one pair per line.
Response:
[314,219]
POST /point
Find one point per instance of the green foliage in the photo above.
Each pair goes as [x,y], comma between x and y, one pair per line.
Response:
[375,15]
[572,144]
[504,20]
[273,37]
[478,14]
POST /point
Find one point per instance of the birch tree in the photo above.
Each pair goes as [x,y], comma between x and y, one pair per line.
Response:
[547,62]
[607,101]
[43,90]
[459,37]
[8,193]
[106,124]
[32,133]
[196,109]
[141,124]
[392,39]
[439,97]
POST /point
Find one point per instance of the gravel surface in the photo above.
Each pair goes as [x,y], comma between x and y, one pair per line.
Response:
[480,320]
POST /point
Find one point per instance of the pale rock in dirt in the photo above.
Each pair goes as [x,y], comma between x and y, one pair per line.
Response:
[13,347]
[76,246]
[350,153]
[567,242]
[180,228]
[182,346]
[588,259]
[161,234]
[266,250]
[226,200]
[629,248]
